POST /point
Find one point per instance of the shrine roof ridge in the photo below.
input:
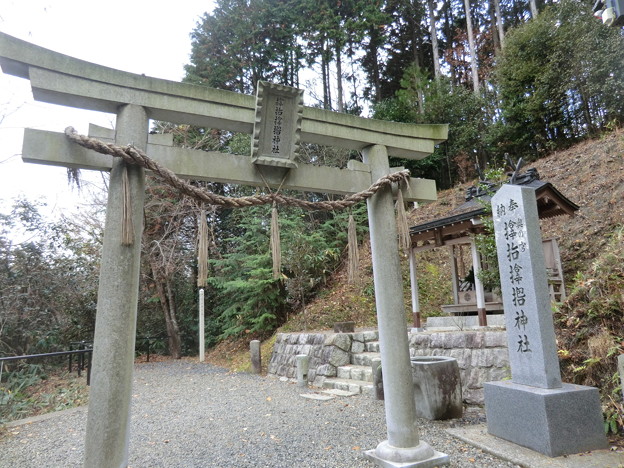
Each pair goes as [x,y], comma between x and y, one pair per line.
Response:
[551,203]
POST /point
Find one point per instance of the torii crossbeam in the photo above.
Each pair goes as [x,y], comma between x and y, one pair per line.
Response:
[60,79]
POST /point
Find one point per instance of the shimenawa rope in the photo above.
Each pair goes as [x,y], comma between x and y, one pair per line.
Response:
[133,155]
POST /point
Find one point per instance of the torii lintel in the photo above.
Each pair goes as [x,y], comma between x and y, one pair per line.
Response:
[60,79]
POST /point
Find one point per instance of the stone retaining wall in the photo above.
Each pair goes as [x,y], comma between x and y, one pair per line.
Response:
[327,352]
[482,356]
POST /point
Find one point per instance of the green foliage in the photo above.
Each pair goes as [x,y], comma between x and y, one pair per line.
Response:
[240,143]
[47,282]
[243,42]
[28,391]
[486,242]
[422,100]
[590,334]
[434,288]
[486,246]
[244,297]
[561,77]
[13,397]
[243,294]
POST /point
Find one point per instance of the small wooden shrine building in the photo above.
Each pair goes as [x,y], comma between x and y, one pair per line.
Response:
[456,232]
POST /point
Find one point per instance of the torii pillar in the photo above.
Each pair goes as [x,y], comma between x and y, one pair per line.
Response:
[403,447]
[64,80]
[118,293]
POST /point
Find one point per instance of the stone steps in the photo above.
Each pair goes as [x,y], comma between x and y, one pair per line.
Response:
[356,377]
[364,359]
[354,372]
[350,385]
[372,347]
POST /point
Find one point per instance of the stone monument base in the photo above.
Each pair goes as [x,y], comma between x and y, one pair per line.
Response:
[422,456]
[555,422]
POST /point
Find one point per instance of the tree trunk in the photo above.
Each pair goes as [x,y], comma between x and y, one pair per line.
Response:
[414,26]
[499,23]
[434,40]
[353,77]
[495,38]
[173,330]
[375,79]
[328,75]
[167,304]
[448,17]
[339,79]
[421,101]
[324,76]
[471,45]
[587,113]
[533,8]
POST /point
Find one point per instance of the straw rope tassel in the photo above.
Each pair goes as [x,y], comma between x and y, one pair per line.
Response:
[127,227]
[354,253]
[402,227]
[275,244]
[202,249]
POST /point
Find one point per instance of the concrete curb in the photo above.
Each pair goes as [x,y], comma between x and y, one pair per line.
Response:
[478,436]
[43,417]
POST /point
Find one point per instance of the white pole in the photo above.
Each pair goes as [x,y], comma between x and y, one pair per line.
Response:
[202,336]
[414,290]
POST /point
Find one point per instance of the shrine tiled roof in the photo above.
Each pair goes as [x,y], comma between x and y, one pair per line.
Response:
[550,203]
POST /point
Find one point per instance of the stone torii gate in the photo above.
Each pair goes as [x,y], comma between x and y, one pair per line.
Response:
[135,99]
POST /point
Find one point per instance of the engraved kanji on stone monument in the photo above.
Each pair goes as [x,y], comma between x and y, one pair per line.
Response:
[277,125]
[535,409]
[528,316]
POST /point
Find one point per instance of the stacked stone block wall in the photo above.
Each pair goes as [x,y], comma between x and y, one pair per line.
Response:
[482,356]
[327,352]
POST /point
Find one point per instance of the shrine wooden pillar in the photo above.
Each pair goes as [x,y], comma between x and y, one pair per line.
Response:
[480,293]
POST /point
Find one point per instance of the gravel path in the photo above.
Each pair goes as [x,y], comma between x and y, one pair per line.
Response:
[187,414]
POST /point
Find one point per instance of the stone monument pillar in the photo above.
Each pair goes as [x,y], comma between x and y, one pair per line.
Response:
[256,356]
[535,409]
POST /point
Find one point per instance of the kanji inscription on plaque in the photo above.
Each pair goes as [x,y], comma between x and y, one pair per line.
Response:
[277,125]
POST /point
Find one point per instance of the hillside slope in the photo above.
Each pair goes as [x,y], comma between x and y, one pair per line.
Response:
[590,174]
[589,325]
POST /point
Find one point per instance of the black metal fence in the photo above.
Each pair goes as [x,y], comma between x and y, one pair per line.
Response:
[84,359]
[83,350]
[147,342]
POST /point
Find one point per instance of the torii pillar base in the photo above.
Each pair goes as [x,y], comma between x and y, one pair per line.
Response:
[422,456]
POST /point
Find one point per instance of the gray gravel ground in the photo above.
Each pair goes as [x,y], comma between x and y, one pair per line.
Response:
[187,414]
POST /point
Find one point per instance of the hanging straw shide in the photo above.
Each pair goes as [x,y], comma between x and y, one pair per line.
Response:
[202,249]
[402,226]
[275,244]
[353,252]
[127,227]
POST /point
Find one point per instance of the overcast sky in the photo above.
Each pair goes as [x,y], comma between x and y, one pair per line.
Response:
[139,36]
